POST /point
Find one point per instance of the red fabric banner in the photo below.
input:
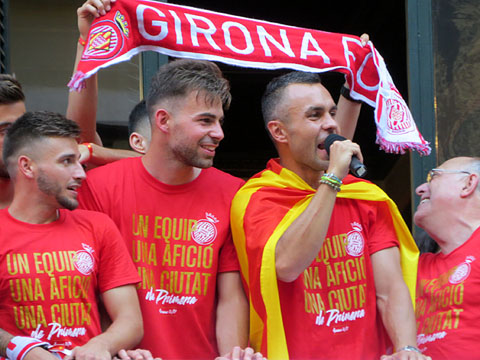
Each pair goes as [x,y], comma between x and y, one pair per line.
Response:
[133,26]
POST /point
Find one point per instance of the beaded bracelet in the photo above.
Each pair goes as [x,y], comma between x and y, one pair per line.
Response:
[332,181]
[81,41]
[332,185]
[332,177]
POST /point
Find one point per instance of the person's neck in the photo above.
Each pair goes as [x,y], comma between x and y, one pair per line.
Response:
[308,175]
[169,172]
[6,192]
[455,234]
[31,209]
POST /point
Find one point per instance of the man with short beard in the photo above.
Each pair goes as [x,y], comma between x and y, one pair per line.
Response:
[12,106]
[173,209]
[54,262]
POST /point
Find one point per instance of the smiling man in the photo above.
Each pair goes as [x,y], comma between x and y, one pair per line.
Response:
[54,262]
[447,288]
[173,209]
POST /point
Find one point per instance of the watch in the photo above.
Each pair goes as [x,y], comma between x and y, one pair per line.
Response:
[345,92]
[409,348]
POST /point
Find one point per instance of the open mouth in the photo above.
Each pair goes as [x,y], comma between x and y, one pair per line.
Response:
[73,188]
[322,151]
[424,200]
[209,148]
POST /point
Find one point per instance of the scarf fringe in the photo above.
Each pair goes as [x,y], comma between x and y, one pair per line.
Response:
[77,82]
[125,40]
[423,149]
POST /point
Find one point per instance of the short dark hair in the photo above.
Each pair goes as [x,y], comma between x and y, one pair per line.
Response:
[138,117]
[180,77]
[34,126]
[274,90]
[10,90]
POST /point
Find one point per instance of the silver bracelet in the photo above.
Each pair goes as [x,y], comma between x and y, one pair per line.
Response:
[334,177]
[331,184]
[410,348]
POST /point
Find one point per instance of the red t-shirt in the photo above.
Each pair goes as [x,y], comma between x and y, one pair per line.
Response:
[447,306]
[330,311]
[52,274]
[179,238]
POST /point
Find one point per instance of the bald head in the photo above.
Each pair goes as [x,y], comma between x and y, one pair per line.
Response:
[449,208]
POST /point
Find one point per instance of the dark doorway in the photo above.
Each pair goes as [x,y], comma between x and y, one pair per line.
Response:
[246,147]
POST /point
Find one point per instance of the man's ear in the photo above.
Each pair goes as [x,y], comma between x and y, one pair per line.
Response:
[470,185]
[26,166]
[138,142]
[162,118]
[277,131]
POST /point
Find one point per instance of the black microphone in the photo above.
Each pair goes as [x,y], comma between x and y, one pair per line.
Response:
[356,167]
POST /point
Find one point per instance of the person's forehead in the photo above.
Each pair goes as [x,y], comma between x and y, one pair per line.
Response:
[57,146]
[311,94]
[457,163]
[200,102]
[11,112]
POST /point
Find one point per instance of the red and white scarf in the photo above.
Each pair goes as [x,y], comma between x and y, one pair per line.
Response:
[133,26]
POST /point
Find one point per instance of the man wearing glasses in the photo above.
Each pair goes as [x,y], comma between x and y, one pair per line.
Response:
[447,308]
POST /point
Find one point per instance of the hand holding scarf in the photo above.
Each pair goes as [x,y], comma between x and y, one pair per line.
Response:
[133,26]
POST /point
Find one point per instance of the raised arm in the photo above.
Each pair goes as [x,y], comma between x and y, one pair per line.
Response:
[348,109]
[232,313]
[82,105]
[347,114]
[125,331]
[96,155]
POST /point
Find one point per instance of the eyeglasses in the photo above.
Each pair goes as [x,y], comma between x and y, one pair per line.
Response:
[434,172]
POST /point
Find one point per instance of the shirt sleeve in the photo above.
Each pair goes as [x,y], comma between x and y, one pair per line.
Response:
[228,260]
[382,233]
[87,197]
[116,267]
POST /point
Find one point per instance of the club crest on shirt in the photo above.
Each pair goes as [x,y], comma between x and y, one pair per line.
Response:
[462,271]
[204,232]
[84,260]
[355,242]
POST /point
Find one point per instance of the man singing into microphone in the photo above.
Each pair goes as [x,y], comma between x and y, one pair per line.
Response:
[319,249]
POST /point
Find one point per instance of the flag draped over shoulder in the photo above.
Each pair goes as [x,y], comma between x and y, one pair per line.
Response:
[284,196]
[133,26]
